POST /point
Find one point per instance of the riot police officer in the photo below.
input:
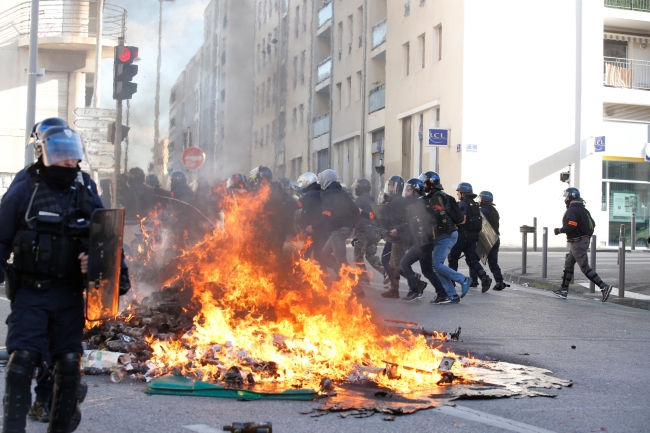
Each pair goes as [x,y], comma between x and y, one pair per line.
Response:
[310,213]
[367,233]
[45,222]
[398,235]
[468,235]
[490,213]
[578,226]
[179,188]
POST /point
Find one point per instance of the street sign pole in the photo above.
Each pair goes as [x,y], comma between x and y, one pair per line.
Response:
[31,81]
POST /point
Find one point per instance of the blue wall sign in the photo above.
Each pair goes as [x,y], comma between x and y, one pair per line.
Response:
[438,137]
[599,144]
[472,148]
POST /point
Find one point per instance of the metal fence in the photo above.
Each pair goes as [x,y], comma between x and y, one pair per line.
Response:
[321,125]
[324,70]
[377,100]
[62,18]
[635,5]
[324,14]
[627,73]
[379,33]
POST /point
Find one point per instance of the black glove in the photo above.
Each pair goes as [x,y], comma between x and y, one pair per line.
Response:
[354,242]
[557,232]
[125,282]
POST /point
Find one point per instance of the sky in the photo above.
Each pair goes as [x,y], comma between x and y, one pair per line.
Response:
[182,37]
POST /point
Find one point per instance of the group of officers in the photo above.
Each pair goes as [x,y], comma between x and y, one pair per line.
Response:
[45,220]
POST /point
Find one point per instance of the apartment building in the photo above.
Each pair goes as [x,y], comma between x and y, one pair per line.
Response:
[211,102]
[66,56]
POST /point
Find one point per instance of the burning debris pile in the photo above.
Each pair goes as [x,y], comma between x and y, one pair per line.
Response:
[237,311]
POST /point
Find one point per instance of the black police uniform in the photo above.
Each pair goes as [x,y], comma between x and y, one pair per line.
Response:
[46,226]
[490,213]
[467,238]
[367,236]
[400,243]
[310,213]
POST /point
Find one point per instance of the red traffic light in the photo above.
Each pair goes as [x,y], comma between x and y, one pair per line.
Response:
[126,54]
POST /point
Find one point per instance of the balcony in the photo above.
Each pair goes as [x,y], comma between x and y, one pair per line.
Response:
[324,70]
[377,99]
[63,24]
[627,73]
[634,5]
[379,33]
[324,14]
[321,125]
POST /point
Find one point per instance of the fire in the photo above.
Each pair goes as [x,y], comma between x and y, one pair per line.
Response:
[278,319]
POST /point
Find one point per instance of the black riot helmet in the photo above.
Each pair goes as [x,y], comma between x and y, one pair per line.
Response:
[361,186]
[261,172]
[413,187]
[486,197]
[178,179]
[394,186]
[237,182]
[465,188]
[152,180]
[431,180]
[571,194]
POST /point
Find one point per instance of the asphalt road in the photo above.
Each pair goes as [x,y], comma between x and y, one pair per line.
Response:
[609,369]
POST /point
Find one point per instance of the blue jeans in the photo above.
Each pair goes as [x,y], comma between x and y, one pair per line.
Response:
[441,250]
[423,254]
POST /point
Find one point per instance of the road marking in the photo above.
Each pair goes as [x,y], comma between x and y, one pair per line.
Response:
[202,428]
[628,294]
[489,419]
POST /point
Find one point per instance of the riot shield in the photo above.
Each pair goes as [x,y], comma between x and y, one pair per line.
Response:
[420,222]
[380,212]
[487,238]
[104,260]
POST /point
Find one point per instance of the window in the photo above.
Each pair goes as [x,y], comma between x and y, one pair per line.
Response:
[295,71]
[297,25]
[407,58]
[357,93]
[423,50]
[348,93]
[265,10]
[438,32]
[304,18]
[616,49]
[423,3]
[323,160]
[360,21]
[339,39]
[301,108]
[407,8]
[337,97]
[350,32]
[268,92]
[437,117]
[294,118]
[303,58]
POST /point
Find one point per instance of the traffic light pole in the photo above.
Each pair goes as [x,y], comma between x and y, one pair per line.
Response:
[31,81]
[117,142]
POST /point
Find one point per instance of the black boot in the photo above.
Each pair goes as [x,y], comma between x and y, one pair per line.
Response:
[567,276]
[67,375]
[40,410]
[486,281]
[18,395]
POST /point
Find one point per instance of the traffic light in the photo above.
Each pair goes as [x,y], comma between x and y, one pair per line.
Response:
[111,132]
[123,72]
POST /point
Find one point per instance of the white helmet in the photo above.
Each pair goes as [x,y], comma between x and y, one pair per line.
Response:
[306,180]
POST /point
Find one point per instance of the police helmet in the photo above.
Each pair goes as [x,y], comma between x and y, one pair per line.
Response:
[394,186]
[40,128]
[486,197]
[361,186]
[465,188]
[136,176]
[413,187]
[178,178]
[431,178]
[286,184]
[61,144]
[571,194]
[152,180]
[306,180]
[237,182]
[261,172]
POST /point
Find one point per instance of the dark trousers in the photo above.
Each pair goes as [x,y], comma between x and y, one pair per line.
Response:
[424,255]
[493,263]
[318,241]
[44,380]
[366,246]
[466,243]
[385,259]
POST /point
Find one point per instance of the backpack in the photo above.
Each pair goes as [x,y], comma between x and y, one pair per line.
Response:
[474,220]
[587,223]
[455,213]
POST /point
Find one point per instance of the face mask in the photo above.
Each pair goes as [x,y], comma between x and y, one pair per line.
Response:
[62,177]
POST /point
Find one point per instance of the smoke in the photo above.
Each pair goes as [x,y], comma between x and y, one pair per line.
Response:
[182,36]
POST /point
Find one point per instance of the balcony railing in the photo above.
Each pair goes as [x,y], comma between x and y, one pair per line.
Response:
[377,100]
[321,125]
[379,34]
[627,73]
[62,18]
[324,70]
[635,5]
[324,14]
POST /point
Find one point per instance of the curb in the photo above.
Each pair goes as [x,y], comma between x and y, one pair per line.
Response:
[541,283]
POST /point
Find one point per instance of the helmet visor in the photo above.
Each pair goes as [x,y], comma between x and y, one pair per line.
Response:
[390,188]
[63,146]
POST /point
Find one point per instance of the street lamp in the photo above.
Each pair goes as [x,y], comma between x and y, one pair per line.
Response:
[156,124]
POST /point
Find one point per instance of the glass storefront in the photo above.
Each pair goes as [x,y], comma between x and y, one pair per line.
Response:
[626,192]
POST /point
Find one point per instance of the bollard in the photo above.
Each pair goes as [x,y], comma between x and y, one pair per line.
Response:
[592,285]
[621,262]
[535,235]
[524,247]
[545,252]
[633,232]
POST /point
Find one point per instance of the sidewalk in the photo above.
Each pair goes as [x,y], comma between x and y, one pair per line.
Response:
[637,266]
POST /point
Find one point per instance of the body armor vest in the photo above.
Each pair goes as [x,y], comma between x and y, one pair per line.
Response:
[474,221]
[55,237]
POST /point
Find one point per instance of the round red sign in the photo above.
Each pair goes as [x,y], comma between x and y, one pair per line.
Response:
[193,158]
